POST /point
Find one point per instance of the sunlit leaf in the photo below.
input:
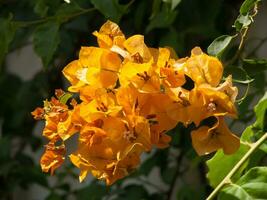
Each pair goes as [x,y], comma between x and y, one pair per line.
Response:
[242,21]
[252,185]
[247,6]
[218,46]
[174,3]
[65,97]
[217,171]
[261,113]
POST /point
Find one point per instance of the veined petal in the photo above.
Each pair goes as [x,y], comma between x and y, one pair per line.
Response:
[206,140]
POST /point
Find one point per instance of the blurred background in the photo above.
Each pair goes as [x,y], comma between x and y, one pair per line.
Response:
[39,37]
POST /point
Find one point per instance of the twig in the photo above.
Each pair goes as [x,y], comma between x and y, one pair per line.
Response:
[243,37]
[227,179]
[24,24]
[240,47]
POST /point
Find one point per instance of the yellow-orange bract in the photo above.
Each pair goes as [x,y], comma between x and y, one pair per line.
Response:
[131,95]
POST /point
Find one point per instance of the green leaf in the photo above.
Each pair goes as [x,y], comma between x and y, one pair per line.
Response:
[254,66]
[66,10]
[41,8]
[239,75]
[171,38]
[7,33]
[218,46]
[217,171]
[174,3]
[162,19]
[247,6]
[111,9]
[261,114]
[46,39]
[253,132]
[155,8]
[65,97]
[234,192]
[242,21]
[252,185]
[247,134]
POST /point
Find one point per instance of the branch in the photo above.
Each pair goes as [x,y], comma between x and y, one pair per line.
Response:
[227,179]
[243,35]
[23,24]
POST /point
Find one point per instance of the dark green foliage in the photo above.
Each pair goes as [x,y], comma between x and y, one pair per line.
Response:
[46,39]
[7,32]
[218,46]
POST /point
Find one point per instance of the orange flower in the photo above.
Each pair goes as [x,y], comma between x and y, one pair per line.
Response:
[137,48]
[38,113]
[228,88]
[171,75]
[131,96]
[206,140]
[137,133]
[131,99]
[53,112]
[109,35]
[203,69]
[96,67]
[53,157]
[201,103]
[102,150]
[67,128]
[104,104]
[141,75]
[75,74]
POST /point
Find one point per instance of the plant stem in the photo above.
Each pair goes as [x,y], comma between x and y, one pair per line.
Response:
[240,47]
[243,33]
[23,24]
[227,179]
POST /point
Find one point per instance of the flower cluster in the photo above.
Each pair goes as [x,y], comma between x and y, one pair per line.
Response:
[131,95]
